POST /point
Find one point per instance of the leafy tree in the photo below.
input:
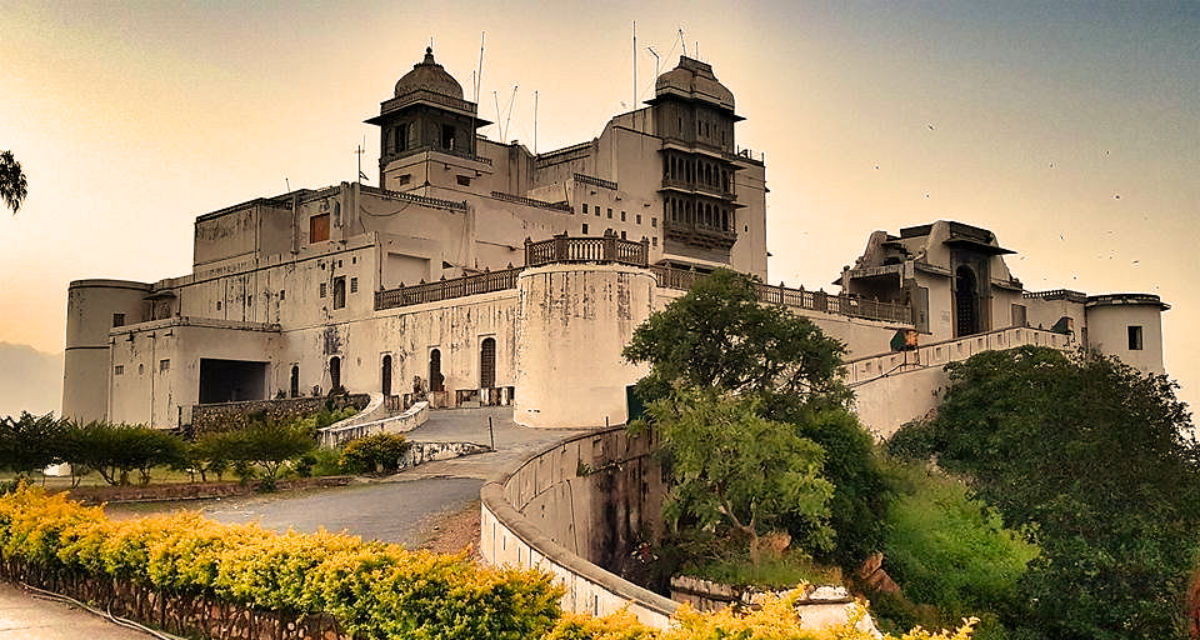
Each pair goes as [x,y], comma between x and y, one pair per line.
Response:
[376,453]
[266,444]
[30,443]
[1095,458]
[732,467]
[13,184]
[115,450]
[719,336]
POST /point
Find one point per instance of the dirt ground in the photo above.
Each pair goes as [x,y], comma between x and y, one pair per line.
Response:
[456,531]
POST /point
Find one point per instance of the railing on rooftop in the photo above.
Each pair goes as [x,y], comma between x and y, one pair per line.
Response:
[607,249]
[1058,294]
[595,182]
[446,289]
[845,305]
[414,198]
[530,202]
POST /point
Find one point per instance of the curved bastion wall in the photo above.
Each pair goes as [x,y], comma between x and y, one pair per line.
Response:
[574,321]
[583,504]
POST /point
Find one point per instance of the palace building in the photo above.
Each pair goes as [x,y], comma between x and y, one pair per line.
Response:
[481,273]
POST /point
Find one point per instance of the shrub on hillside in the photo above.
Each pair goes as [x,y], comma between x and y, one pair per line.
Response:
[116,450]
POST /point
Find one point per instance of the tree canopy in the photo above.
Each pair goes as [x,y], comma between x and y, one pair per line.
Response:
[14,186]
[718,335]
[1095,459]
[768,372]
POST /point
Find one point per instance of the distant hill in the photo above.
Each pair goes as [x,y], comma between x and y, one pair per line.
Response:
[30,380]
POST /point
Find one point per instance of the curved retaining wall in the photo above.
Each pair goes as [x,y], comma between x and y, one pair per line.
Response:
[585,502]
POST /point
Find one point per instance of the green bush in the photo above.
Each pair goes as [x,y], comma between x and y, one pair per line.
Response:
[116,450]
[946,549]
[378,453]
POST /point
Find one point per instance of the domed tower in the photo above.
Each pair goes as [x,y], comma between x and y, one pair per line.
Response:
[694,114]
[426,113]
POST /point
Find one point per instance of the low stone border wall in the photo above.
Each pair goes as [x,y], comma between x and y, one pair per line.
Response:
[421,452]
[193,491]
[570,505]
[230,416]
[337,434]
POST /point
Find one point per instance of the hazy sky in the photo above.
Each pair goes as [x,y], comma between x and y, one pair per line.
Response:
[1070,129]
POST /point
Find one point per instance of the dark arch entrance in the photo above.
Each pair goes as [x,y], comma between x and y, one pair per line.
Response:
[966,302]
[386,376]
[437,382]
[487,363]
[295,382]
[335,374]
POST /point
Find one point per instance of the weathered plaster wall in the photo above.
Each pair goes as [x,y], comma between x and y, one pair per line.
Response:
[573,507]
[1108,332]
[91,306]
[573,322]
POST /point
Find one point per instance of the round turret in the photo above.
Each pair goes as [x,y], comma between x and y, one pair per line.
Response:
[428,75]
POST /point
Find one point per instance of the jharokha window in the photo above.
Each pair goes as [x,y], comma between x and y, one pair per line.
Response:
[318,228]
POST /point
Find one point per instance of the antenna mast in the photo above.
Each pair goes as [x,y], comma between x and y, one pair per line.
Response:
[535,121]
[635,85]
[684,41]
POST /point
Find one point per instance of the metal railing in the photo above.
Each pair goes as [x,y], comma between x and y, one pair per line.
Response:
[414,198]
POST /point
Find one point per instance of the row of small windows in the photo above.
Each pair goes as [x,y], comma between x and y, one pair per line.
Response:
[164,366]
[699,214]
[403,137]
[339,290]
[624,215]
[653,241]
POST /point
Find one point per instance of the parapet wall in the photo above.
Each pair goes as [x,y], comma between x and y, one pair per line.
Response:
[583,504]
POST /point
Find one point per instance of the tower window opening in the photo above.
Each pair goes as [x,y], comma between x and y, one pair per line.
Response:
[1135,338]
[448,137]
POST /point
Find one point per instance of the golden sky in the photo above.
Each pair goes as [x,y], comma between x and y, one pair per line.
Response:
[1072,130]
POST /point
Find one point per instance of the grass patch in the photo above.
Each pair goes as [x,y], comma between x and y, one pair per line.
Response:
[778,572]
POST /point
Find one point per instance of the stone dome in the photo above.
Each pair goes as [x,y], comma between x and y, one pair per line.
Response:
[694,79]
[429,76]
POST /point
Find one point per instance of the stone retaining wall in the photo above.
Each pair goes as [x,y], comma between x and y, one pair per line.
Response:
[582,504]
[231,416]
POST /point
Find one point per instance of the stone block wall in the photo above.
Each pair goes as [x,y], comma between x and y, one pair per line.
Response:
[232,416]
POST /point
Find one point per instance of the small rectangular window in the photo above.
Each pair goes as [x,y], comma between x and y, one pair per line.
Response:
[654,241]
[323,291]
[353,285]
[282,295]
[610,214]
[585,229]
[318,228]
[623,235]
[118,320]
[654,222]
[405,179]
[639,218]
[1135,338]
[597,212]
[464,181]
[622,216]
[218,305]
[119,370]
[585,208]
[164,366]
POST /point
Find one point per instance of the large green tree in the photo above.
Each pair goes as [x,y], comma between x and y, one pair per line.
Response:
[730,466]
[14,186]
[718,336]
[1098,460]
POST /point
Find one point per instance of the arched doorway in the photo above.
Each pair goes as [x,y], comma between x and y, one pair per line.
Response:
[386,376]
[966,302]
[295,381]
[487,363]
[335,374]
[437,382]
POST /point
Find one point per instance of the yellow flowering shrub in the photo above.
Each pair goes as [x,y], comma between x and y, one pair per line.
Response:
[376,591]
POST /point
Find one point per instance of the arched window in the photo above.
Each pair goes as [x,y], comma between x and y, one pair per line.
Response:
[335,374]
[487,363]
[966,302]
[437,382]
[385,376]
[294,386]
